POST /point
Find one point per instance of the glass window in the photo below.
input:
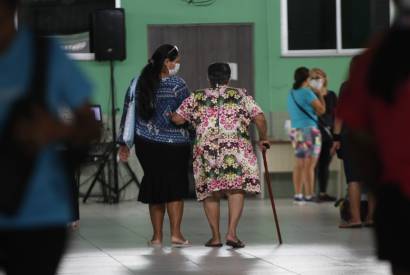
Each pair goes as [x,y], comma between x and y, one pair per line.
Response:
[361,20]
[312,24]
[331,27]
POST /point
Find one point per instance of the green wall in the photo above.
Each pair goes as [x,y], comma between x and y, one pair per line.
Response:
[273,73]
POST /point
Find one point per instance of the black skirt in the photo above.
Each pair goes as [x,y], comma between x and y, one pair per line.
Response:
[165,169]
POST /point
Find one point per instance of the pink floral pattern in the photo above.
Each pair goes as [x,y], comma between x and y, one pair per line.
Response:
[223,154]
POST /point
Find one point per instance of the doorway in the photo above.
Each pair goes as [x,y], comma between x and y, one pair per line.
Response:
[203,44]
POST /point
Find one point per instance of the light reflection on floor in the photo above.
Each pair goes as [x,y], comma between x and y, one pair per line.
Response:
[112,240]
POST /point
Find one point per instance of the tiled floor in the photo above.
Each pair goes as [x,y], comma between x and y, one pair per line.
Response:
[112,240]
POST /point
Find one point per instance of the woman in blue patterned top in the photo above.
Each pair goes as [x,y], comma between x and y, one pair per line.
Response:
[162,148]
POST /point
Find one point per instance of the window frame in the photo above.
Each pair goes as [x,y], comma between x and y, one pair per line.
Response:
[339,51]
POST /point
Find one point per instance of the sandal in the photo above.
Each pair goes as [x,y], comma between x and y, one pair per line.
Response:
[154,244]
[235,245]
[210,244]
[75,225]
[350,225]
[369,224]
[183,244]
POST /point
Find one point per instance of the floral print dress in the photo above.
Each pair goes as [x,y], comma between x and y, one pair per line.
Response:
[223,154]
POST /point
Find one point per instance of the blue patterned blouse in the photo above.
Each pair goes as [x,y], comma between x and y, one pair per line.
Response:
[171,93]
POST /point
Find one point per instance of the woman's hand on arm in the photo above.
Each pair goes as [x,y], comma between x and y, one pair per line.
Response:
[176,118]
[319,105]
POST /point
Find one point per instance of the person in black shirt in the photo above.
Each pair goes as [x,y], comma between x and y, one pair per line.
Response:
[353,173]
[319,81]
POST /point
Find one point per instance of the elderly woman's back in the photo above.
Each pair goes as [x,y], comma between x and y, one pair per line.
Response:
[224,160]
[220,111]
[223,154]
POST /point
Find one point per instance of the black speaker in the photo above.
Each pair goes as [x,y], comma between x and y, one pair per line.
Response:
[108,34]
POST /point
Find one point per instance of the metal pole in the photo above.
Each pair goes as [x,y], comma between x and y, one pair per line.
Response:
[114,134]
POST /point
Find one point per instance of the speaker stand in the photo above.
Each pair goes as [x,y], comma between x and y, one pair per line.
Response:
[110,196]
[132,179]
[111,156]
[114,135]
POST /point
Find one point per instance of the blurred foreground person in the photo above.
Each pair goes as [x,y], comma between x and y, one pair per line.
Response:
[37,80]
[354,179]
[375,106]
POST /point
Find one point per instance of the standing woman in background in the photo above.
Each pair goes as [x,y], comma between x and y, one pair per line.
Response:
[320,82]
[161,147]
[304,106]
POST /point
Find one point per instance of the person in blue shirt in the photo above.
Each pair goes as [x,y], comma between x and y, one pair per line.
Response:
[32,240]
[162,148]
[305,103]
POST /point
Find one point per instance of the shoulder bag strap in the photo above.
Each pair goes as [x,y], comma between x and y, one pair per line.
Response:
[303,110]
[318,121]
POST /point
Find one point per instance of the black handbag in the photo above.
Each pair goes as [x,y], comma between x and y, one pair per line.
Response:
[322,126]
[17,161]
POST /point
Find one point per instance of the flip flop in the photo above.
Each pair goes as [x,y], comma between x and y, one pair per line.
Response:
[350,225]
[369,224]
[155,245]
[181,244]
[235,245]
[210,244]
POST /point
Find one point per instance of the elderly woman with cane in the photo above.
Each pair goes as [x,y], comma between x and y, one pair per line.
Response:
[224,160]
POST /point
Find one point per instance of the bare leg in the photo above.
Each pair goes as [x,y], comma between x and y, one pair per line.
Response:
[157,212]
[371,206]
[212,211]
[298,175]
[354,199]
[309,171]
[175,212]
[235,205]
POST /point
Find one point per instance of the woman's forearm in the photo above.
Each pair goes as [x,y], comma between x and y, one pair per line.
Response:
[338,126]
[261,124]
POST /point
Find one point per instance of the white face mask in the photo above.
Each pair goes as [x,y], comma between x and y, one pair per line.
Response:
[175,70]
[316,83]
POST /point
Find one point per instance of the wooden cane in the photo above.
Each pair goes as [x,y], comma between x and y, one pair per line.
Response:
[268,183]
